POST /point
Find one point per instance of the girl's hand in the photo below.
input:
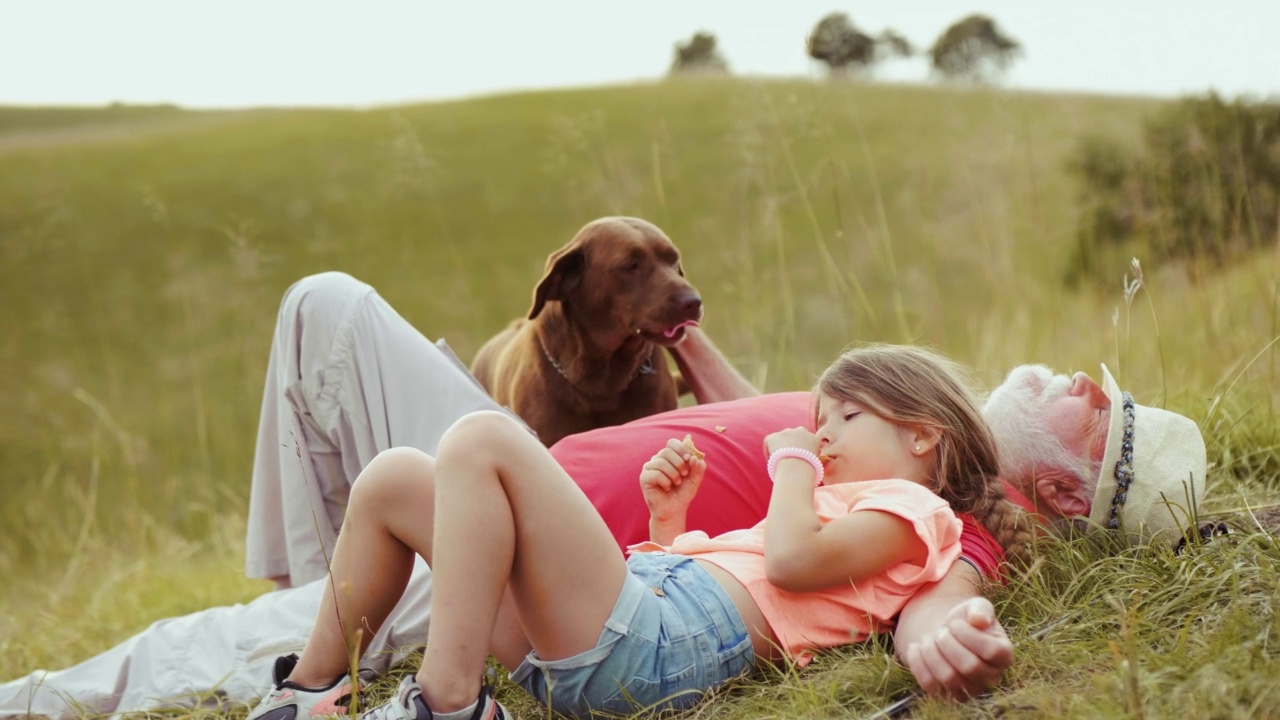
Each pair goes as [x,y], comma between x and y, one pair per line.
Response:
[796,437]
[670,480]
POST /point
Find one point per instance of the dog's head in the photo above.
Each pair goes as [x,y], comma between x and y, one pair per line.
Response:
[623,275]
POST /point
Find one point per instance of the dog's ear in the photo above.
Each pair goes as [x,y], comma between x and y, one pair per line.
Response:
[564,272]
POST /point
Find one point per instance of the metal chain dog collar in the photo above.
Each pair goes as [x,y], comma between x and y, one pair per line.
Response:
[646,367]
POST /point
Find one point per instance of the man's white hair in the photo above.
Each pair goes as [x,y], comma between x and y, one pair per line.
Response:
[1015,411]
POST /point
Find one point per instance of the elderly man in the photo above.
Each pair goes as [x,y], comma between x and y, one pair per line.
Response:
[348,378]
[1072,446]
[1076,453]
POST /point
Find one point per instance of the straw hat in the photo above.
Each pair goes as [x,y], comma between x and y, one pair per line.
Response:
[1152,477]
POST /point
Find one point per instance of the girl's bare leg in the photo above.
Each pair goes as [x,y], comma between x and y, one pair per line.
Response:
[507,515]
[388,519]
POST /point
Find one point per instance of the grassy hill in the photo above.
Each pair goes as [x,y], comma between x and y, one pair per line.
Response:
[142,255]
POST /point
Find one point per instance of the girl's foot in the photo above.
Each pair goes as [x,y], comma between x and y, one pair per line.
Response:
[408,704]
[290,701]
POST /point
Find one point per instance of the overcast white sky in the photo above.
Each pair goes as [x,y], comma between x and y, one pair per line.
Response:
[232,53]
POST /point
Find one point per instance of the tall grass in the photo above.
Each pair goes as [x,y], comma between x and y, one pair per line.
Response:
[140,271]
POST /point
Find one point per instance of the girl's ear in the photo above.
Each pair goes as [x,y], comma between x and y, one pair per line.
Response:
[923,439]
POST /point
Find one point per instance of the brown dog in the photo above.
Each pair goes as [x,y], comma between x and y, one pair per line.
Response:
[590,352]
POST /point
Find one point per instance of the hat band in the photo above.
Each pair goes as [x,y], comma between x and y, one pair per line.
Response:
[1124,466]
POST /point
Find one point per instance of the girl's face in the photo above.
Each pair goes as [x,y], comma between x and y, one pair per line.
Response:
[861,445]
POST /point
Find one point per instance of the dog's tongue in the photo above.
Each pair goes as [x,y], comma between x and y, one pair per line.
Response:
[671,331]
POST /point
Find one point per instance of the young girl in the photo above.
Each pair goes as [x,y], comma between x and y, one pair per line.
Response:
[525,569]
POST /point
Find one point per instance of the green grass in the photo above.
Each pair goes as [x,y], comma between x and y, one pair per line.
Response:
[142,258]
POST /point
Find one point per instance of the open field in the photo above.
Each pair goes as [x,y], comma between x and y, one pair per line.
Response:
[142,258]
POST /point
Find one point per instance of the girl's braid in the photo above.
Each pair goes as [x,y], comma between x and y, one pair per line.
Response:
[1011,525]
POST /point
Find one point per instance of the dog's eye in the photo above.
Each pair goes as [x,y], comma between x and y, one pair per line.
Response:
[631,267]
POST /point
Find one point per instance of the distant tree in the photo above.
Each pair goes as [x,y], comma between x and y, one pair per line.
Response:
[891,43]
[699,55]
[836,42]
[973,49]
[845,49]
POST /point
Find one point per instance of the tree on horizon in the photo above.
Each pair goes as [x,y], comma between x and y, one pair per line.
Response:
[973,50]
[847,50]
[699,56]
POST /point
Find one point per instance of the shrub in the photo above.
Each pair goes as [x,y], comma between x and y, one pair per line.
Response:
[1206,184]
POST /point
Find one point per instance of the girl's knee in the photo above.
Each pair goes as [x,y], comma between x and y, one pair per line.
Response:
[393,474]
[480,434]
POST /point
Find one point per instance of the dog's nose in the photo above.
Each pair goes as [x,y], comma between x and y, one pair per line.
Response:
[690,304]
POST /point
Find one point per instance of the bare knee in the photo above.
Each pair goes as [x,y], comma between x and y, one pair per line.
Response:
[484,436]
[395,478]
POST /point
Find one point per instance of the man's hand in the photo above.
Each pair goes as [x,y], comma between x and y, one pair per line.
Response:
[965,656]
[670,480]
[707,372]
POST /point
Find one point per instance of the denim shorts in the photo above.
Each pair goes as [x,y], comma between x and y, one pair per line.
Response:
[674,633]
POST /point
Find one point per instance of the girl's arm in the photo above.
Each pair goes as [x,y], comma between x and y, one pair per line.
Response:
[802,554]
[669,481]
[665,532]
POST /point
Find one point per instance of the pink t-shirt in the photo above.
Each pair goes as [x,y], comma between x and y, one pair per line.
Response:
[735,491]
[839,615]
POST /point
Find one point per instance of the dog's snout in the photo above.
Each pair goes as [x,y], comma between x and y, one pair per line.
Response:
[690,303]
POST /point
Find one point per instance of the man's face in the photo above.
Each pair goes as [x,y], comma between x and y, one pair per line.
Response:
[1078,415]
[1052,433]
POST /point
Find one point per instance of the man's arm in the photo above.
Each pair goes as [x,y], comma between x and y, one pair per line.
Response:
[706,372]
[949,638]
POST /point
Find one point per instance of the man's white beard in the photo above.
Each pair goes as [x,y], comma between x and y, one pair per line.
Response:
[1015,411]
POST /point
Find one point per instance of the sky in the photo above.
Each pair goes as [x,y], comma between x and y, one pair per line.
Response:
[237,53]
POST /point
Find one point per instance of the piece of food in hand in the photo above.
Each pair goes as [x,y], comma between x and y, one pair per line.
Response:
[688,442]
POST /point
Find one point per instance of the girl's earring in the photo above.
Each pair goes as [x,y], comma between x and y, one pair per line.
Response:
[917,447]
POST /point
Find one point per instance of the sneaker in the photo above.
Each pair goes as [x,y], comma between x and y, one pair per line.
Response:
[409,705]
[290,701]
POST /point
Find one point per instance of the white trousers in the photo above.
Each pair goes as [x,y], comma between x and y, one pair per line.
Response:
[347,378]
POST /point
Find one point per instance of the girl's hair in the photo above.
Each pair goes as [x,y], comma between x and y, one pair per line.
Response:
[914,386]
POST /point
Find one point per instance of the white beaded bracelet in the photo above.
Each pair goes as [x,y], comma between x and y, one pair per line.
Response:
[799,454]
